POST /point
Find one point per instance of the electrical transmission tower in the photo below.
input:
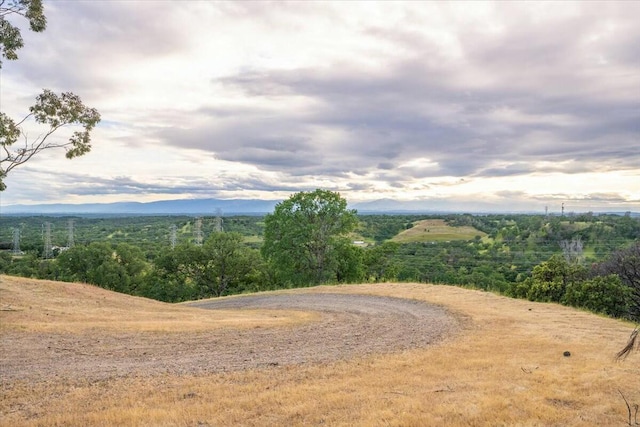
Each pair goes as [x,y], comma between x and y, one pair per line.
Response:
[70,241]
[16,242]
[218,221]
[173,236]
[197,232]
[48,248]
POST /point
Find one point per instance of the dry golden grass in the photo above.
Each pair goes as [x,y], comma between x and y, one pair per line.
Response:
[436,230]
[44,306]
[504,367]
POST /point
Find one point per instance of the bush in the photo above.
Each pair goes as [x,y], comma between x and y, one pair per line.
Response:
[603,294]
[547,291]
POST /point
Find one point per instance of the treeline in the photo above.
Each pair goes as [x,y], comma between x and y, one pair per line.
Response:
[582,260]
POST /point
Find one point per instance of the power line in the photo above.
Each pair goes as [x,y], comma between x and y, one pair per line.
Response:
[197,233]
[16,242]
[70,240]
[48,248]
[218,221]
[173,236]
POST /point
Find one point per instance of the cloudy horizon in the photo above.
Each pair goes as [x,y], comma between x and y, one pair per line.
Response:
[516,105]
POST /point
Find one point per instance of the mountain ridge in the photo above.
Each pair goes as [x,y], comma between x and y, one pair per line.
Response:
[212,206]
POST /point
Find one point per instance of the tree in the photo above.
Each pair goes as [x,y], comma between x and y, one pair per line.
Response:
[304,234]
[169,279]
[602,294]
[51,110]
[548,281]
[379,262]
[228,263]
[10,37]
[222,265]
[120,268]
[625,263]
[350,267]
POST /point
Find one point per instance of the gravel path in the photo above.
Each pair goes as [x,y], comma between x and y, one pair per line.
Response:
[348,326]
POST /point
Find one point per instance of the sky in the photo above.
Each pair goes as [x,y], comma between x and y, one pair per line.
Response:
[467,105]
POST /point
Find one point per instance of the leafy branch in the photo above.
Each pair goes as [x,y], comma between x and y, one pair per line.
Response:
[56,111]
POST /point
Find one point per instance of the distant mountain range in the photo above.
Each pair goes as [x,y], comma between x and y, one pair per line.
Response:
[206,207]
[211,207]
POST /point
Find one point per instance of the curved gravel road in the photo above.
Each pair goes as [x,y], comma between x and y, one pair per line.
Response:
[349,325]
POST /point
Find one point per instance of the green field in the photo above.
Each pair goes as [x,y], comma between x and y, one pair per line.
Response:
[436,230]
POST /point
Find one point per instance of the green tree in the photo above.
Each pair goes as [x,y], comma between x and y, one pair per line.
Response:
[119,269]
[350,263]
[5,261]
[602,294]
[169,279]
[227,263]
[222,265]
[50,110]
[303,235]
[625,263]
[549,280]
[380,263]
[10,36]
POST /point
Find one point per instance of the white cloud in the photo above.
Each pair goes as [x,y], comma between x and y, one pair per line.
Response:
[423,100]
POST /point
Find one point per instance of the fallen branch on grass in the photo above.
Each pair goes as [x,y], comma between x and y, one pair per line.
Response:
[441,390]
[633,342]
[634,406]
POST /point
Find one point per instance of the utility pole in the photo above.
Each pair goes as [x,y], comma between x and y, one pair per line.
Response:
[15,250]
[173,236]
[218,221]
[562,209]
[70,240]
[197,233]
[48,248]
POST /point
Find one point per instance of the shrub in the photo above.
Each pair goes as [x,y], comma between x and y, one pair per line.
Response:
[603,294]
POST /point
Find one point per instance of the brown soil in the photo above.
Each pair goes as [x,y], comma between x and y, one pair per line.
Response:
[349,326]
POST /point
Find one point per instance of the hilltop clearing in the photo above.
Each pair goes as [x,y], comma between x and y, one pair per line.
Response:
[436,230]
[102,335]
[506,361]
[42,306]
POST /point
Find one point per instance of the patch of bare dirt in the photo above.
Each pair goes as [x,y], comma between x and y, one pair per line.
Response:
[349,326]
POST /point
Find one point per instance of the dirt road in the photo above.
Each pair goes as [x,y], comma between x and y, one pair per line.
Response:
[348,326]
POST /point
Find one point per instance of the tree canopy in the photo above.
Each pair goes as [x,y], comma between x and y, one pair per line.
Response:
[51,110]
[305,235]
[10,36]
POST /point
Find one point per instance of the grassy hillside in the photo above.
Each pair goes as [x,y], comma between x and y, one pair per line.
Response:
[32,306]
[504,367]
[436,230]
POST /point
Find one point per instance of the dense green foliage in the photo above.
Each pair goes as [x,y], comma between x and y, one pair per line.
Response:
[557,280]
[222,265]
[116,267]
[305,237]
[589,261]
[54,112]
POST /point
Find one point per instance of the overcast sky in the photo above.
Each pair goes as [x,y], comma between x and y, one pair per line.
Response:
[513,105]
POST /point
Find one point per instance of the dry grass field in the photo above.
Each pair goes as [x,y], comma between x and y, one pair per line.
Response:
[504,366]
[436,230]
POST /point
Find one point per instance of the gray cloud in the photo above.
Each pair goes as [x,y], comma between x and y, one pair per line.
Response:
[83,40]
[518,91]
[384,120]
[55,184]
[425,103]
